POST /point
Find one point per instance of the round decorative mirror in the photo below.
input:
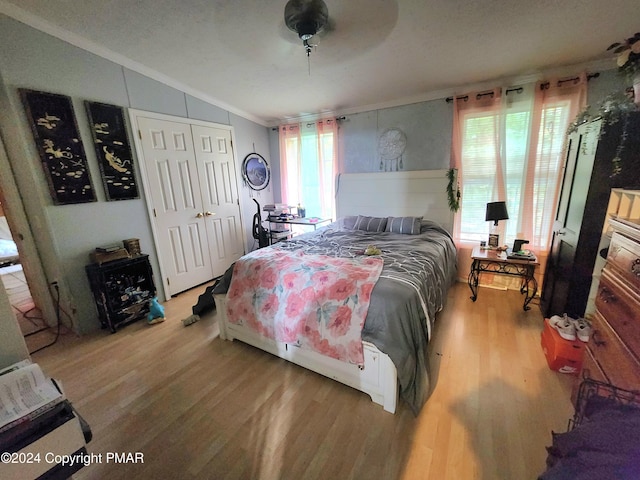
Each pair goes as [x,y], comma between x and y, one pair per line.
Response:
[255,171]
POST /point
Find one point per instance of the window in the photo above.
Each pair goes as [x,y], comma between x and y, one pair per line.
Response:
[308,166]
[510,148]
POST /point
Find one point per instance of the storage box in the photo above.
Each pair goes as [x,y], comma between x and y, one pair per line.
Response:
[104,257]
[132,245]
[564,356]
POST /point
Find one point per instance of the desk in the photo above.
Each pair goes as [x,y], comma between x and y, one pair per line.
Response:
[497,262]
[283,234]
[314,221]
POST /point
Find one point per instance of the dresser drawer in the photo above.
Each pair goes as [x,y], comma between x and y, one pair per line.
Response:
[621,307]
[623,260]
[590,369]
[609,352]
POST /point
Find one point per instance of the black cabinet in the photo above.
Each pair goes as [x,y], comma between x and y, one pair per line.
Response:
[588,178]
[122,290]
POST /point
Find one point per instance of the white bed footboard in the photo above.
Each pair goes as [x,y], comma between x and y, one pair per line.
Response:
[378,378]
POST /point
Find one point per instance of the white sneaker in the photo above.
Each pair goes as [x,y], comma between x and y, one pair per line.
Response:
[564,325]
[583,328]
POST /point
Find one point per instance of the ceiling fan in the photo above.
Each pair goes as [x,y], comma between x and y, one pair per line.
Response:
[307,18]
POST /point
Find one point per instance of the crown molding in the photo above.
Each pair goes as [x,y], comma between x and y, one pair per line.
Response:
[507,81]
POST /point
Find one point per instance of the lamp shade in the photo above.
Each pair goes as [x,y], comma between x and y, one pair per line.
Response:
[496,211]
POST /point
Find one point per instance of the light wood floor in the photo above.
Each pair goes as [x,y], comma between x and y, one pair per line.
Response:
[200,407]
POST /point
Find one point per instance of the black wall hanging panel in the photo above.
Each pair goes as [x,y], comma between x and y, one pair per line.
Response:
[113,150]
[55,132]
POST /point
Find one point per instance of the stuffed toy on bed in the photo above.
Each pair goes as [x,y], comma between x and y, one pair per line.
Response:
[156,312]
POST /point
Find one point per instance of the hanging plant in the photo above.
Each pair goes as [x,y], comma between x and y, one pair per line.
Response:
[453,196]
[582,117]
[614,108]
[618,106]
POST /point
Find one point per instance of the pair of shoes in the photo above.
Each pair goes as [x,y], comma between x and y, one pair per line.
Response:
[564,325]
[569,328]
[583,329]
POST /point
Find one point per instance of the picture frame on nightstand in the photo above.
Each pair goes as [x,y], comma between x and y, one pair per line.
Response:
[493,240]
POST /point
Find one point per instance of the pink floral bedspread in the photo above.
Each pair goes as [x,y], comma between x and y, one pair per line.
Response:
[314,301]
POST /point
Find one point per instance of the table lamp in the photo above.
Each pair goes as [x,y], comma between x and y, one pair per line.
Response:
[495,211]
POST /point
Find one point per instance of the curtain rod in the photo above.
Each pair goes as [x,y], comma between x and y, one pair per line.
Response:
[465,98]
[338,119]
[543,86]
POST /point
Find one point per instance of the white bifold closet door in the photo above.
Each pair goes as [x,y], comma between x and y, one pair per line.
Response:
[192,186]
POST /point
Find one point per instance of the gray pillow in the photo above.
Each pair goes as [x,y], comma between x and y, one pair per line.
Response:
[370,224]
[404,225]
[349,222]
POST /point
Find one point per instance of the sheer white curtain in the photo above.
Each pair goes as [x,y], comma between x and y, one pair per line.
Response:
[508,146]
[308,165]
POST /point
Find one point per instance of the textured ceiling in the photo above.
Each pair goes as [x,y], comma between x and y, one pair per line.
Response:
[239,55]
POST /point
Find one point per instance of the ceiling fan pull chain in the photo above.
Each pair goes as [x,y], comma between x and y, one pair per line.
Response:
[307,18]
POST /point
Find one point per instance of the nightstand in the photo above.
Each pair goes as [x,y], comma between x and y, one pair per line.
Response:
[492,261]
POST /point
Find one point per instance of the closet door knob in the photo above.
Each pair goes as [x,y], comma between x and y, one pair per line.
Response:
[208,213]
[199,215]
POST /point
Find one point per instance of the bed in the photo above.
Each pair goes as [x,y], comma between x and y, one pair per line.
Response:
[402,287]
[8,248]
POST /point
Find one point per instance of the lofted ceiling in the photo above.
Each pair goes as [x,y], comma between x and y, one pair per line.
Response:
[239,55]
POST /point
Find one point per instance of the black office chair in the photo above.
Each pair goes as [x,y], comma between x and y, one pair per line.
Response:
[259,232]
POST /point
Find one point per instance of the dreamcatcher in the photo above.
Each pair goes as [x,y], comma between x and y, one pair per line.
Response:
[391,145]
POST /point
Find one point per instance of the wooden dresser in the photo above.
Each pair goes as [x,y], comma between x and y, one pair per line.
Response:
[613,352]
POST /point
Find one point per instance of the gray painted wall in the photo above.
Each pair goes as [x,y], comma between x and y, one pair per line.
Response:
[254,138]
[274,153]
[426,125]
[66,234]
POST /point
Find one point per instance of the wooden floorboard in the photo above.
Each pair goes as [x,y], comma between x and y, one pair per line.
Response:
[198,407]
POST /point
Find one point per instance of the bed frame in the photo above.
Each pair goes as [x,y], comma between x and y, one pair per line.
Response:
[416,193]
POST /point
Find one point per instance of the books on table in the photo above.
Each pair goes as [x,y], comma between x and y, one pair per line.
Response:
[521,255]
[25,393]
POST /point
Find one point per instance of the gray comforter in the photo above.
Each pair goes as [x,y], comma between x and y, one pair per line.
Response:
[418,270]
